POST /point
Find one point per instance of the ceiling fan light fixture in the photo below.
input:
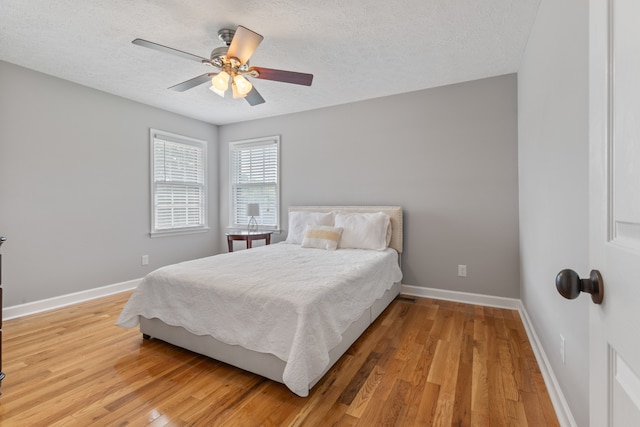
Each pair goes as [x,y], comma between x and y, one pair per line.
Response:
[232,63]
[243,85]
[220,81]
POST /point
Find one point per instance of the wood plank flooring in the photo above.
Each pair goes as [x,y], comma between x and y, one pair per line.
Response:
[422,363]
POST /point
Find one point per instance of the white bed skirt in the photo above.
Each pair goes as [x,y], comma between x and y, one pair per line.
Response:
[264,364]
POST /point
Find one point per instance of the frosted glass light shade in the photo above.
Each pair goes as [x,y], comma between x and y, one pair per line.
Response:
[236,93]
[243,85]
[220,81]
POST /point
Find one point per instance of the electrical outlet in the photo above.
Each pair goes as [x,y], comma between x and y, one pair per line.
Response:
[562,348]
[462,270]
[145,259]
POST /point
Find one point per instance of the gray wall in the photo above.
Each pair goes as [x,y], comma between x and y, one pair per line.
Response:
[447,155]
[74,187]
[76,210]
[553,166]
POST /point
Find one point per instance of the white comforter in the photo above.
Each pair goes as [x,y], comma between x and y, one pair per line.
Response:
[282,299]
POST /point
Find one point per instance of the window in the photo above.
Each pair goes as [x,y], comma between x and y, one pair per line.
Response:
[254,178]
[178,184]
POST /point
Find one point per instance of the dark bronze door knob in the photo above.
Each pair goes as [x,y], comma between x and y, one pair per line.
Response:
[569,284]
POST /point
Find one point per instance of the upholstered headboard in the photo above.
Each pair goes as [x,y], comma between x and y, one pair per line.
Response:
[394,212]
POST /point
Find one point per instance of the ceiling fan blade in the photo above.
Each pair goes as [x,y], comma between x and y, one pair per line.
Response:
[244,43]
[254,98]
[181,87]
[170,50]
[282,76]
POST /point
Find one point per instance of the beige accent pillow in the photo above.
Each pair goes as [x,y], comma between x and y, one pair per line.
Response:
[321,237]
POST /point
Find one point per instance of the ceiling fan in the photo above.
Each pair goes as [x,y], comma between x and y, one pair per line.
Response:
[232,61]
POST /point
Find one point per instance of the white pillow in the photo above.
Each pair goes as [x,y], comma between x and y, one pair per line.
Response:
[298,221]
[363,230]
[321,237]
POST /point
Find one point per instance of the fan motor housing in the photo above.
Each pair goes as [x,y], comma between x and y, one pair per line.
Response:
[218,56]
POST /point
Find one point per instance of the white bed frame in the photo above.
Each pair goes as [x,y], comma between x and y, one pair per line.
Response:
[265,364]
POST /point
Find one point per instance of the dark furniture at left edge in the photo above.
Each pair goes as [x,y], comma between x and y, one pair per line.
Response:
[2,240]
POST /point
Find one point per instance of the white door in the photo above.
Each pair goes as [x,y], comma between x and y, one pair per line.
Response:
[614,91]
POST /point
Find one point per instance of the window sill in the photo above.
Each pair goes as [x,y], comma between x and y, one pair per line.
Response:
[178,232]
[231,228]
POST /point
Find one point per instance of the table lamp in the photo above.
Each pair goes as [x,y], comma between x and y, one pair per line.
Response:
[253,210]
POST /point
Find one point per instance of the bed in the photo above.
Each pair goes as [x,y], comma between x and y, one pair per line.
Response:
[287,311]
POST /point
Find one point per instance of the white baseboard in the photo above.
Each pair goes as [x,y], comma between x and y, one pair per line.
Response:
[466,297]
[560,405]
[565,417]
[65,300]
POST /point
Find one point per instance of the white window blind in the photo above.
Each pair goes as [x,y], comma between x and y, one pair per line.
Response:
[178,183]
[254,179]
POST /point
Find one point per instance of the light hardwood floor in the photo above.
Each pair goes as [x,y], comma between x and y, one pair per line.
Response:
[427,362]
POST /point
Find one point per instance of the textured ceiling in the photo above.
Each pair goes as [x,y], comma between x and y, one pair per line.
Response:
[356,50]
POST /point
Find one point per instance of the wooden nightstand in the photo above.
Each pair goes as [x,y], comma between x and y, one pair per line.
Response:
[248,236]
